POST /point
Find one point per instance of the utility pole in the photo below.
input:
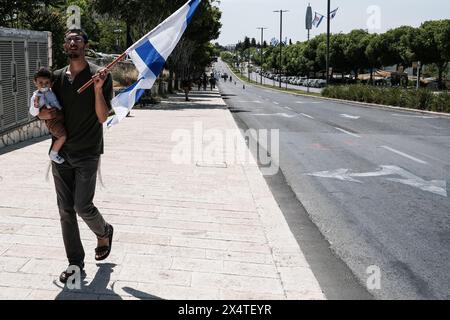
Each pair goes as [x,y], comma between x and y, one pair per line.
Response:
[328,41]
[281,40]
[261,50]
[309,26]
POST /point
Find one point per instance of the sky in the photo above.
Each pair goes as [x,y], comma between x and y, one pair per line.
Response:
[241,18]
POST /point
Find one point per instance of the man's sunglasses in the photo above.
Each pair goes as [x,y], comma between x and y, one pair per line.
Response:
[74,39]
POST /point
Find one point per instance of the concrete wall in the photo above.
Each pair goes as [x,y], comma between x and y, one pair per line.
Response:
[34,129]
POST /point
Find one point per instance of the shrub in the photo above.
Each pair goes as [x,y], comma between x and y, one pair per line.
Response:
[441,102]
[422,99]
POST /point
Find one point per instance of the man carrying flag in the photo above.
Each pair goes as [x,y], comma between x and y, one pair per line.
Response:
[75,179]
[85,109]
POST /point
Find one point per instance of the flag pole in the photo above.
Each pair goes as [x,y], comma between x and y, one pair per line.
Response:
[108,67]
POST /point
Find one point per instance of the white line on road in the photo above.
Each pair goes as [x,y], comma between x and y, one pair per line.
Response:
[307,102]
[288,108]
[274,102]
[414,116]
[305,115]
[348,116]
[404,155]
[345,131]
[284,115]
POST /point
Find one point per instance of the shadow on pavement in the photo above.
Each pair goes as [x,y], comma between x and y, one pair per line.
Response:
[184,106]
[23,144]
[237,110]
[98,288]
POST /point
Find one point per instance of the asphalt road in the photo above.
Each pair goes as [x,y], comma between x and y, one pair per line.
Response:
[374,181]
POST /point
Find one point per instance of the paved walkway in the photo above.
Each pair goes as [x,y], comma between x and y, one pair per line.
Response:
[203,229]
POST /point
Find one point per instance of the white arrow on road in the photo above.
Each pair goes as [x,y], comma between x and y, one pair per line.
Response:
[434,186]
[343,115]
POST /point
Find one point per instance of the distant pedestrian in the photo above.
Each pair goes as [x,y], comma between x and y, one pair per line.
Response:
[205,81]
[212,82]
[186,86]
[231,78]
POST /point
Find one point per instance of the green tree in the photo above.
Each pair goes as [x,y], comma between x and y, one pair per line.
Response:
[355,50]
[394,47]
[432,45]
[246,43]
[373,53]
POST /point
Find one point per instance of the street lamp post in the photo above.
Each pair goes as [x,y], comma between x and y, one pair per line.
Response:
[261,50]
[281,40]
[118,32]
[309,20]
[328,41]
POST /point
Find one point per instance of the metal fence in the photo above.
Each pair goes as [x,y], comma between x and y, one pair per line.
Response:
[22,52]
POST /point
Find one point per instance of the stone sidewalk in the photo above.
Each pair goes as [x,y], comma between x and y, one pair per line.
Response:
[202,229]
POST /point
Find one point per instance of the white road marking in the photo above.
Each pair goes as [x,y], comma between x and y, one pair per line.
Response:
[308,102]
[274,102]
[413,116]
[404,155]
[288,108]
[345,131]
[284,115]
[249,101]
[434,186]
[343,115]
[305,115]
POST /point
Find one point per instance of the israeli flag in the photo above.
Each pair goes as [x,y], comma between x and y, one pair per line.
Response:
[333,13]
[149,55]
[317,19]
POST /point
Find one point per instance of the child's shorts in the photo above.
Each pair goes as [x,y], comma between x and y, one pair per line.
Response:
[56,125]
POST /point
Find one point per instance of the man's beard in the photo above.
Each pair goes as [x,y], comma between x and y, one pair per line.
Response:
[73,55]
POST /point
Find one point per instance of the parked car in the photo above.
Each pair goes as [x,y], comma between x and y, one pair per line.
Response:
[320,83]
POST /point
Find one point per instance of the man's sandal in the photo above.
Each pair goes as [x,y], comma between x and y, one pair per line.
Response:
[101,253]
[65,275]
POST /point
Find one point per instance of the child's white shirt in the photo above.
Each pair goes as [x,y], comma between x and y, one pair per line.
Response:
[47,99]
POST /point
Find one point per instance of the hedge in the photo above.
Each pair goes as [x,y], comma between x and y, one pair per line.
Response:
[422,99]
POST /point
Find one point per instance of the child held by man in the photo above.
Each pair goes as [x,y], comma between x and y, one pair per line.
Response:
[44,97]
